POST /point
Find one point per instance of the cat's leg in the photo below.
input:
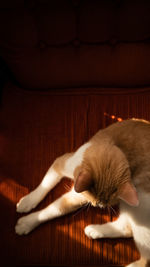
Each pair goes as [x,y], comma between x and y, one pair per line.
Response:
[52,177]
[62,166]
[118,228]
[140,263]
[65,204]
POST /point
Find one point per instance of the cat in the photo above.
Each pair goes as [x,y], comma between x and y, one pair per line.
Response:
[113,167]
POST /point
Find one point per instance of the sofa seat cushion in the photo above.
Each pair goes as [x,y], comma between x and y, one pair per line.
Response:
[37,127]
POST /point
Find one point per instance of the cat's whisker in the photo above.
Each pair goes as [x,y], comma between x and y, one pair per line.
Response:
[113,210]
[67,187]
[88,206]
[109,212]
[81,209]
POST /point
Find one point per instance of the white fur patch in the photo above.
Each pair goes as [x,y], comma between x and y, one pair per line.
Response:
[139,220]
[52,211]
[50,179]
[75,160]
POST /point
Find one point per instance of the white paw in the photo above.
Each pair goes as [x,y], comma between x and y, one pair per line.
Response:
[139,263]
[26,224]
[26,203]
[93,231]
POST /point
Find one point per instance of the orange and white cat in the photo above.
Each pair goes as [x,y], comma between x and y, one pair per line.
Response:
[113,167]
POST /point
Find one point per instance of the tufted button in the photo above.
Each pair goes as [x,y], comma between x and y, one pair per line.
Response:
[76,42]
[76,3]
[113,41]
[42,45]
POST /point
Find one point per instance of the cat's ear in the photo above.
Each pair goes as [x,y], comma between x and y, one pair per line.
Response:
[83,182]
[128,194]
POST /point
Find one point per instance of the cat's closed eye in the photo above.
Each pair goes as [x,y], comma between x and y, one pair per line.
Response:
[114,191]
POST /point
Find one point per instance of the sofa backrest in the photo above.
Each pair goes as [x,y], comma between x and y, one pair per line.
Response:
[62,43]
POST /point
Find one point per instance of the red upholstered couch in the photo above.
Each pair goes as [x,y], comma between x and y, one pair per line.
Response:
[72,67]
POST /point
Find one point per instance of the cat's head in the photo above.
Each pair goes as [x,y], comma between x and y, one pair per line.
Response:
[104,177]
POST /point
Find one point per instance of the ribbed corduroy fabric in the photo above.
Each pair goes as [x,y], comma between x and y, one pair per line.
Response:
[37,127]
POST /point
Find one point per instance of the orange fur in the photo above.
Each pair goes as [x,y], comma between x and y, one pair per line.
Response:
[113,165]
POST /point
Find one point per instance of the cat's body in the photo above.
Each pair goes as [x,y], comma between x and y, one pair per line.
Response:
[113,167]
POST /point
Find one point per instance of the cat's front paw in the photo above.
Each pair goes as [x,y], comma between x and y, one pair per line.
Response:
[93,231]
[26,203]
[26,224]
